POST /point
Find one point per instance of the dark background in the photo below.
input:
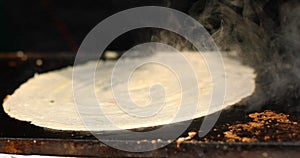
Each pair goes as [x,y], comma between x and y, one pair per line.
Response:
[54,25]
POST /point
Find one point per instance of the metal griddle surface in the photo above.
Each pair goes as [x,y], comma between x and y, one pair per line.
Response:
[25,138]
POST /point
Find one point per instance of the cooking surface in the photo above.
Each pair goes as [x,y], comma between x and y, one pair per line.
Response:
[233,125]
[264,34]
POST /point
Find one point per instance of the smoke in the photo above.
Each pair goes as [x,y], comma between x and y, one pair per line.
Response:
[264,34]
[290,31]
[244,27]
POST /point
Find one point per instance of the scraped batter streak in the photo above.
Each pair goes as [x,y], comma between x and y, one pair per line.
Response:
[46,100]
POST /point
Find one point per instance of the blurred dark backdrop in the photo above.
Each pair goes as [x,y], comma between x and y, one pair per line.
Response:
[55,25]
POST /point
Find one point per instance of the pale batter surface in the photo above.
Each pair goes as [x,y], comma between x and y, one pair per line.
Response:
[47,99]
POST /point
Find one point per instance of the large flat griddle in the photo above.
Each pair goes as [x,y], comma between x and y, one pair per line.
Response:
[24,138]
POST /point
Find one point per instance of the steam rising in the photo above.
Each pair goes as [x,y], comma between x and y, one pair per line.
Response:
[263,34]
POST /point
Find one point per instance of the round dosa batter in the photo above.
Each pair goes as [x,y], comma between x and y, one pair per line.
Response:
[46,100]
